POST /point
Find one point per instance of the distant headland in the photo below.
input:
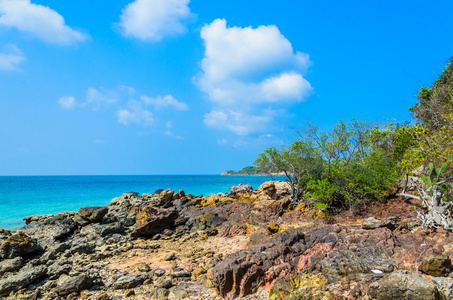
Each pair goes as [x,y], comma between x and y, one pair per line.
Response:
[250,171]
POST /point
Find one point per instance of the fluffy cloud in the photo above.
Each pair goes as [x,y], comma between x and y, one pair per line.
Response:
[67,102]
[246,68]
[135,113]
[11,58]
[39,21]
[165,101]
[154,19]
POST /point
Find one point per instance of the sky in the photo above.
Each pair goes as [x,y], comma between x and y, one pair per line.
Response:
[201,87]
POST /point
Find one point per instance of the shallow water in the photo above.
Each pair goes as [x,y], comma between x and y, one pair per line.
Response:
[21,196]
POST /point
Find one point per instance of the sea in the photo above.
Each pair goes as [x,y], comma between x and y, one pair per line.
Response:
[22,196]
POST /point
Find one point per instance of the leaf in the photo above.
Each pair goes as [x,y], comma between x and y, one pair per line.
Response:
[451,157]
[423,177]
[431,166]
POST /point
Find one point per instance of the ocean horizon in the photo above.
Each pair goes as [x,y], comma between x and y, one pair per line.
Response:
[22,196]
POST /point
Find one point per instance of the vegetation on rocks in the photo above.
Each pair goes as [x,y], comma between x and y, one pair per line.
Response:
[358,161]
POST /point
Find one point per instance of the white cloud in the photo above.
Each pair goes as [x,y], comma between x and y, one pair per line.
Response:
[154,19]
[97,99]
[39,21]
[67,102]
[245,68]
[166,101]
[134,113]
[239,122]
[11,58]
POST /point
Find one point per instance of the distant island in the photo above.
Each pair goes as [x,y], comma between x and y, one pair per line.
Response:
[249,171]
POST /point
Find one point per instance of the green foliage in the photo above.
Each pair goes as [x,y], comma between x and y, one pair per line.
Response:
[433,181]
[353,163]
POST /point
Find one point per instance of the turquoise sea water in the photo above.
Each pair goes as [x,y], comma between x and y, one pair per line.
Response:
[21,196]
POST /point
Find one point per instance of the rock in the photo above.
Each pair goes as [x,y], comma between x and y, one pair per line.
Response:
[142,267]
[21,280]
[306,286]
[179,273]
[151,220]
[4,232]
[74,284]
[19,245]
[130,281]
[37,218]
[10,265]
[93,214]
[405,286]
[159,293]
[241,188]
[111,228]
[273,227]
[129,293]
[163,283]
[170,256]
[165,196]
[40,231]
[373,223]
[159,272]
[435,265]
[180,194]
[444,286]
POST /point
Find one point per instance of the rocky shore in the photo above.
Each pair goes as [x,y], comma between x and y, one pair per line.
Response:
[249,244]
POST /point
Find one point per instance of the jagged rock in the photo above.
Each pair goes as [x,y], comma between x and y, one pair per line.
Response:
[74,284]
[9,265]
[111,228]
[37,218]
[435,265]
[19,245]
[165,196]
[404,286]
[93,214]
[130,281]
[21,280]
[39,231]
[151,220]
[241,188]
[180,194]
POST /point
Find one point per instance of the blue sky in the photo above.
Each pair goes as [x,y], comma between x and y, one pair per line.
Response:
[199,87]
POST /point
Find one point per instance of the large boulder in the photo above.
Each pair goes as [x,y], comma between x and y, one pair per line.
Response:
[21,280]
[435,265]
[152,220]
[19,245]
[93,214]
